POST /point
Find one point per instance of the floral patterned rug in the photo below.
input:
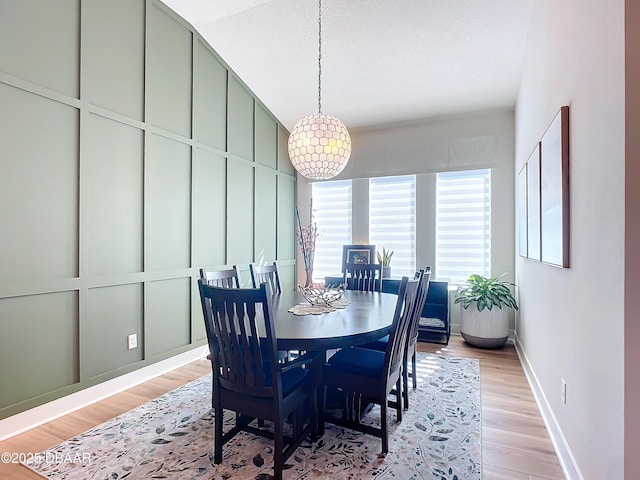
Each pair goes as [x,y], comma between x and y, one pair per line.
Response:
[171,437]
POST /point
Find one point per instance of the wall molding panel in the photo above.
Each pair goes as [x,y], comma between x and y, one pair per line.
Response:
[131,155]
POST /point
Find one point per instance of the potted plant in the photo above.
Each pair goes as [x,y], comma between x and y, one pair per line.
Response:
[484,317]
[384,259]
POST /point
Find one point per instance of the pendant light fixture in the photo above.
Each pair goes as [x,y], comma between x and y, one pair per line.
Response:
[319,144]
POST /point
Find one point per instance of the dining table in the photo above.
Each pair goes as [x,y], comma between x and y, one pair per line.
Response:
[367,318]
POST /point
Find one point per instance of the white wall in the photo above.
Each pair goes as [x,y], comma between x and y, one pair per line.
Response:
[473,141]
[570,324]
[632,234]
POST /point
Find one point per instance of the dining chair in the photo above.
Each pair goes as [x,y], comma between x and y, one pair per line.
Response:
[366,375]
[250,384]
[269,274]
[228,278]
[412,337]
[423,277]
[363,276]
[266,273]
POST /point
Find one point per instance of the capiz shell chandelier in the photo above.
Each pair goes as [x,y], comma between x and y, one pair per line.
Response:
[319,144]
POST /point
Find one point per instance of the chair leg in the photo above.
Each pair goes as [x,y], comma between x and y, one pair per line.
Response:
[414,370]
[405,384]
[322,399]
[217,442]
[399,400]
[383,426]
[278,444]
[313,399]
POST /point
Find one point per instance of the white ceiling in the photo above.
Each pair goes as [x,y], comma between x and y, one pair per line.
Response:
[383,61]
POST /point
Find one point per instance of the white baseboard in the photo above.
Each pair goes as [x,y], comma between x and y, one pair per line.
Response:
[29,419]
[565,457]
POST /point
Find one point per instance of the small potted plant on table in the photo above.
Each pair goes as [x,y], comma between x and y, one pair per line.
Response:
[384,259]
[481,324]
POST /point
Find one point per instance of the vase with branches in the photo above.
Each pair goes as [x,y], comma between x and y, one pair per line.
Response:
[307,236]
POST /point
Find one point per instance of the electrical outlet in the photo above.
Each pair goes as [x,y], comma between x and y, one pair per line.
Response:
[563,391]
[132,341]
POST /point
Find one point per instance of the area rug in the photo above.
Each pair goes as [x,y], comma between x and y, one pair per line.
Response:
[171,437]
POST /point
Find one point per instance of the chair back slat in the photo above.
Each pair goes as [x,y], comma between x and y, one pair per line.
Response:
[363,276]
[402,317]
[424,277]
[243,339]
[266,274]
[228,278]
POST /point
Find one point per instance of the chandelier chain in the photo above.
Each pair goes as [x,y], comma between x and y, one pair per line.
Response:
[319,56]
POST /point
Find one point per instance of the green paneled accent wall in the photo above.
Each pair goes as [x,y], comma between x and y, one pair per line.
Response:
[38,187]
[284,163]
[114,197]
[115,313]
[266,138]
[240,199]
[116,82]
[240,136]
[168,86]
[168,312]
[32,363]
[286,239]
[210,98]
[266,208]
[167,203]
[209,208]
[130,156]
[41,43]
[286,218]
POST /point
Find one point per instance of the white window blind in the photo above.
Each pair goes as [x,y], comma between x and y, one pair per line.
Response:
[392,220]
[332,208]
[463,225]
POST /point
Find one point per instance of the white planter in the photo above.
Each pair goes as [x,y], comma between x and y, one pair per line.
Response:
[486,329]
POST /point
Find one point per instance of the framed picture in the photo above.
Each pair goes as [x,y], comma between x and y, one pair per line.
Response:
[554,191]
[522,211]
[358,254]
[533,204]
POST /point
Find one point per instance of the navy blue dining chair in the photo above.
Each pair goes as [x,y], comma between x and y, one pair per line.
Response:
[247,377]
[424,277]
[365,376]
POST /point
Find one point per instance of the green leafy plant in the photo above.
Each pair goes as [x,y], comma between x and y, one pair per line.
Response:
[384,258]
[486,293]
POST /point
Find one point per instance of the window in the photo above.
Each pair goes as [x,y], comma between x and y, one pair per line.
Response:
[392,220]
[463,225]
[332,209]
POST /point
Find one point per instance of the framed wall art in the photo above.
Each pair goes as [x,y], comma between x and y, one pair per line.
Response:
[533,204]
[358,254]
[522,211]
[554,191]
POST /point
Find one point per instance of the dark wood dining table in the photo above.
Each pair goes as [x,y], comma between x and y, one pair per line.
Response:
[367,318]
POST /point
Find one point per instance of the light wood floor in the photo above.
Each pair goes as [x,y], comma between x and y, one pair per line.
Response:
[515,444]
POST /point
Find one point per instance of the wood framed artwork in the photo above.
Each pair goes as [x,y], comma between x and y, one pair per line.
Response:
[554,191]
[358,254]
[522,211]
[533,204]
